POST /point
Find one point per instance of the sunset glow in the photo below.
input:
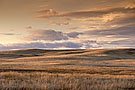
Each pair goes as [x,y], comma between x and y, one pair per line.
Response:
[67,24]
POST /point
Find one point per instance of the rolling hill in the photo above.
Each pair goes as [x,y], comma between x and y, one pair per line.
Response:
[72,69]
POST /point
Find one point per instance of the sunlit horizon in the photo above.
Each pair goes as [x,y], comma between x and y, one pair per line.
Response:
[59,24]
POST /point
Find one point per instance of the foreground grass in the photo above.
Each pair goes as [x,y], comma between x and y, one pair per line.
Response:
[50,81]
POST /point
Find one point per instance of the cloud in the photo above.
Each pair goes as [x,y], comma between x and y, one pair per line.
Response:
[59,23]
[123,43]
[127,31]
[111,16]
[50,35]
[52,45]
[41,45]
[22,46]
[84,14]
[28,27]
[125,19]
[91,44]
[106,17]
[85,44]
[47,12]
[64,45]
[131,4]
[74,34]
[8,34]
[1,45]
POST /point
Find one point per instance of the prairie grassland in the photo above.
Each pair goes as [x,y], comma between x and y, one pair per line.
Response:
[96,69]
[51,81]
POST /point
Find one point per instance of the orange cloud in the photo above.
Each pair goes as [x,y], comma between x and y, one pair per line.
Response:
[83,14]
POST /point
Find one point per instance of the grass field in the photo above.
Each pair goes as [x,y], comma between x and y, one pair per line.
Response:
[81,69]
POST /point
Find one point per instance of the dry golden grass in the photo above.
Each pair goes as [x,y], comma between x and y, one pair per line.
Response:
[47,81]
[96,69]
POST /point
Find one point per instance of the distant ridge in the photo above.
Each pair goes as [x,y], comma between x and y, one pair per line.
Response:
[91,53]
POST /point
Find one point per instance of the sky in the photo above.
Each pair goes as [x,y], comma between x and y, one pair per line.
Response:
[67,24]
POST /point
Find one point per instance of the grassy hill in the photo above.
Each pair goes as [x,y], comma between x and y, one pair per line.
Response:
[74,69]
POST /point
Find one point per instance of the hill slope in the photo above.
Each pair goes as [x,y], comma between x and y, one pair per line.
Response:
[78,53]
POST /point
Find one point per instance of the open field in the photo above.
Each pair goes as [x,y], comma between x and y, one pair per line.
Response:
[95,69]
